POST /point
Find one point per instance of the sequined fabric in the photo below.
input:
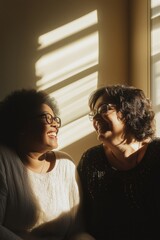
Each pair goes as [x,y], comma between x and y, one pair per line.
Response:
[121,204]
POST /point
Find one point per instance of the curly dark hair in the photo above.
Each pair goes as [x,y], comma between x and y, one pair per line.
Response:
[135,107]
[18,109]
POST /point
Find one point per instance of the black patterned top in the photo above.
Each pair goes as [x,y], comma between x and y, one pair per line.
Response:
[121,204]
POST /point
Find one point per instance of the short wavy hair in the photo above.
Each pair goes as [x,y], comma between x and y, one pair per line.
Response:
[135,107]
[18,109]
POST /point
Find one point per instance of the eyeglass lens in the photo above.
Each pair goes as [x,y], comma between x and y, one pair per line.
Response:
[50,119]
[102,109]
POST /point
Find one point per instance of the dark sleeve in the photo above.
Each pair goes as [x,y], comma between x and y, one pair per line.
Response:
[3,193]
[82,170]
[5,233]
[85,177]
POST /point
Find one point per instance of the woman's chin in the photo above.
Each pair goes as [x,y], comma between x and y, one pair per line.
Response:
[103,136]
[53,146]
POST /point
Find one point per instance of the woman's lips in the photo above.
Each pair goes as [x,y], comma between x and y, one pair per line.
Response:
[52,134]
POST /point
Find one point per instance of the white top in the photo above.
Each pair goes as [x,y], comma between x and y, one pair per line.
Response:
[56,192]
[48,204]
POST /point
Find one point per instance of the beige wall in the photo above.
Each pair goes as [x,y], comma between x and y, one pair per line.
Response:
[23,21]
[113,42]
[139,44]
[123,43]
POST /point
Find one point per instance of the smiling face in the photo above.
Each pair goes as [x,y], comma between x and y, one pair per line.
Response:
[50,130]
[108,125]
[40,135]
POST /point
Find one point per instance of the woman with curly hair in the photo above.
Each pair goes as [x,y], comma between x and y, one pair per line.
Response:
[39,186]
[121,176]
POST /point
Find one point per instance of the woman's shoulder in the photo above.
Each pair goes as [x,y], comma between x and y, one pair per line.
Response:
[7,153]
[91,156]
[4,148]
[9,161]
[95,150]
[63,158]
[65,164]
[153,151]
[62,155]
[155,144]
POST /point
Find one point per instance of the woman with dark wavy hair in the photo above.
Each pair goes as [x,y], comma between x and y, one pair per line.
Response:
[121,176]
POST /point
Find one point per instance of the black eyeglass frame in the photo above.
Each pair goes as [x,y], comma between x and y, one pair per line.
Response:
[100,110]
[51,119]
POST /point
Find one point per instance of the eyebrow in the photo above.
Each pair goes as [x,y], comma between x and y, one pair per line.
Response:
[47,112]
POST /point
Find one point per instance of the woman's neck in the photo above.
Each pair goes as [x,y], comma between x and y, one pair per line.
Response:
[36,162]
[126,156]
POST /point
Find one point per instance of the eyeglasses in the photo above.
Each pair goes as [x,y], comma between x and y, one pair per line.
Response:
[49,119]
[100,110]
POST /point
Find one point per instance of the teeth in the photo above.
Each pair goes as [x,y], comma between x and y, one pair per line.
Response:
[52,134]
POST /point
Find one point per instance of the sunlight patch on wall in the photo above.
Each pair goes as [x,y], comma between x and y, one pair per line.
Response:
[155,60]
[67,30]
[73,98]
[69,74]
[67,61]
[74,131]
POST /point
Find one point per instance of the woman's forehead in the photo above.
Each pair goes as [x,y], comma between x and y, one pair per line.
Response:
[45,108]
